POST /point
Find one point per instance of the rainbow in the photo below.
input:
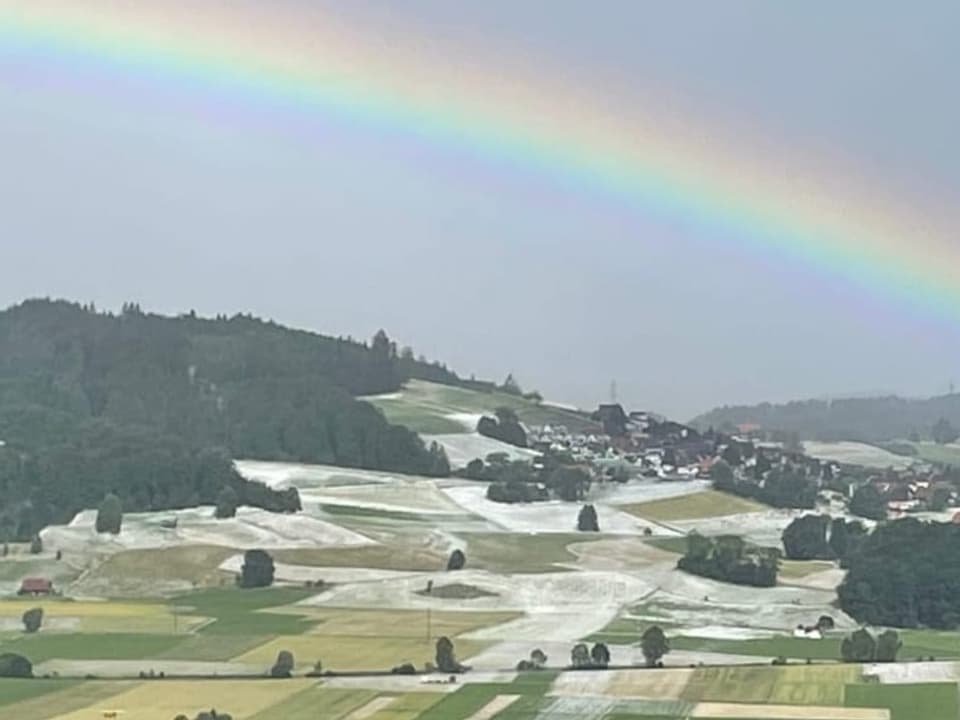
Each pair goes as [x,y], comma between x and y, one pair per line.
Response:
[310,61]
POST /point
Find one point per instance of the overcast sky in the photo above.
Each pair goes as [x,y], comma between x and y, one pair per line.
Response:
[112,191]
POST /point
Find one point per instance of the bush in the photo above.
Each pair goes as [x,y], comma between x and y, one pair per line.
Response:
[36,545]
[33,619]
[227,501]
[15,666]
[257,570]
[283,667]
[457,560]
[405,669]
[110,515]
[587,519]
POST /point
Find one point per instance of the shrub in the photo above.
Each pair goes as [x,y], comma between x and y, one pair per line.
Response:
[283,667]
[15,666]
[457,560]
[405,669]
[257,570]
[33,619]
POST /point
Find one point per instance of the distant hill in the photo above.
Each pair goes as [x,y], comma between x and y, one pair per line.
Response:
[152,408]
[865,419]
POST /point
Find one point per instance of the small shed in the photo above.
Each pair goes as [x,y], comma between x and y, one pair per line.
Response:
[35,586]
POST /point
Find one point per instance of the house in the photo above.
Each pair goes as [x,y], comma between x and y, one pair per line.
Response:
[35,586]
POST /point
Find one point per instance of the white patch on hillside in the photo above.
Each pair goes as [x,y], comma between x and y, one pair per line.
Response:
[461,448]
[251,527]
[549,516]
[855,453]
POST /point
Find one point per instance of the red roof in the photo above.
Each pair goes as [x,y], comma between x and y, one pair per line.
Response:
[36,585]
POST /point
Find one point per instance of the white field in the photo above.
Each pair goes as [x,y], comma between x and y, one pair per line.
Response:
[461,448]
[251,527]
[855,453]
[549,516]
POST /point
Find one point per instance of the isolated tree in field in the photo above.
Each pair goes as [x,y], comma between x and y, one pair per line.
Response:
[825,623]
[227,502]
[457,560]
[600,655]
[36,545]
[538,658]
[722,475]
[587,519]
[110,515]
[654,645]
[580,656]
[32,619]
[944,432]
[257,569]
[859,647]
[439,462]
[283,667]
[446,658]
[15,666]
[888,645]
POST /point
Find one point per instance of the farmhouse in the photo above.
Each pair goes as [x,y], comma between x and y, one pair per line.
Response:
[35,586]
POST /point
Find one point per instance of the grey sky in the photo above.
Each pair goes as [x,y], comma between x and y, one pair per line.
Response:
[123,190]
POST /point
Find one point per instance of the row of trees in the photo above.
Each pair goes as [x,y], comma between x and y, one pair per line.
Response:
[730,559]
[789,486]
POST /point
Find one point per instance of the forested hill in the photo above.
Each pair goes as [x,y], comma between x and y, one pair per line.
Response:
[864,419]
[153,407]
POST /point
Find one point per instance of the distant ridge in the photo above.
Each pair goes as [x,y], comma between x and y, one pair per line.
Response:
[866,419]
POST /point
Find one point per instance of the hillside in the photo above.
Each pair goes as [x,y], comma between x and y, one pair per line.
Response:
[864,419]
[153,408]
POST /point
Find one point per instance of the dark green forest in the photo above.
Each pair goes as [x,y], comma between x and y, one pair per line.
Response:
[865,419]
[152,408]
[905,574]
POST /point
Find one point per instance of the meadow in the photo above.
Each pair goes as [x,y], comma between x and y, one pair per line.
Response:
[693,506]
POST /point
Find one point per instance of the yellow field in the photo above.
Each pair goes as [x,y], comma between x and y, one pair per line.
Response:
[336,703]
[198,564]
[667,684]
[813,684]
[407,707]
[714,711]
[105,617]
[345,652]
[802,568]
[709,503]
[398,623]
[67,608]
[165,700]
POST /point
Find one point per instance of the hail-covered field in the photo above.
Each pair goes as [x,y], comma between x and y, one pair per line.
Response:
[361,585]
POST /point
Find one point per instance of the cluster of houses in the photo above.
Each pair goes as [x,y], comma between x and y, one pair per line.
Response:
[916,489]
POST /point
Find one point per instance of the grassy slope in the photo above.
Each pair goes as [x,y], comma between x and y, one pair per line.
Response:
[522,553]
[709,503]
[927,701]
[424,406]
[932,452]
[15,690]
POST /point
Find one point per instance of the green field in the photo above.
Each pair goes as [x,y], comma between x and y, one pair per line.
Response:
[520,552]
[916,643]
[15,690]
[243,612]
[706,504]
[424,406]
[90,646]
[927,701]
